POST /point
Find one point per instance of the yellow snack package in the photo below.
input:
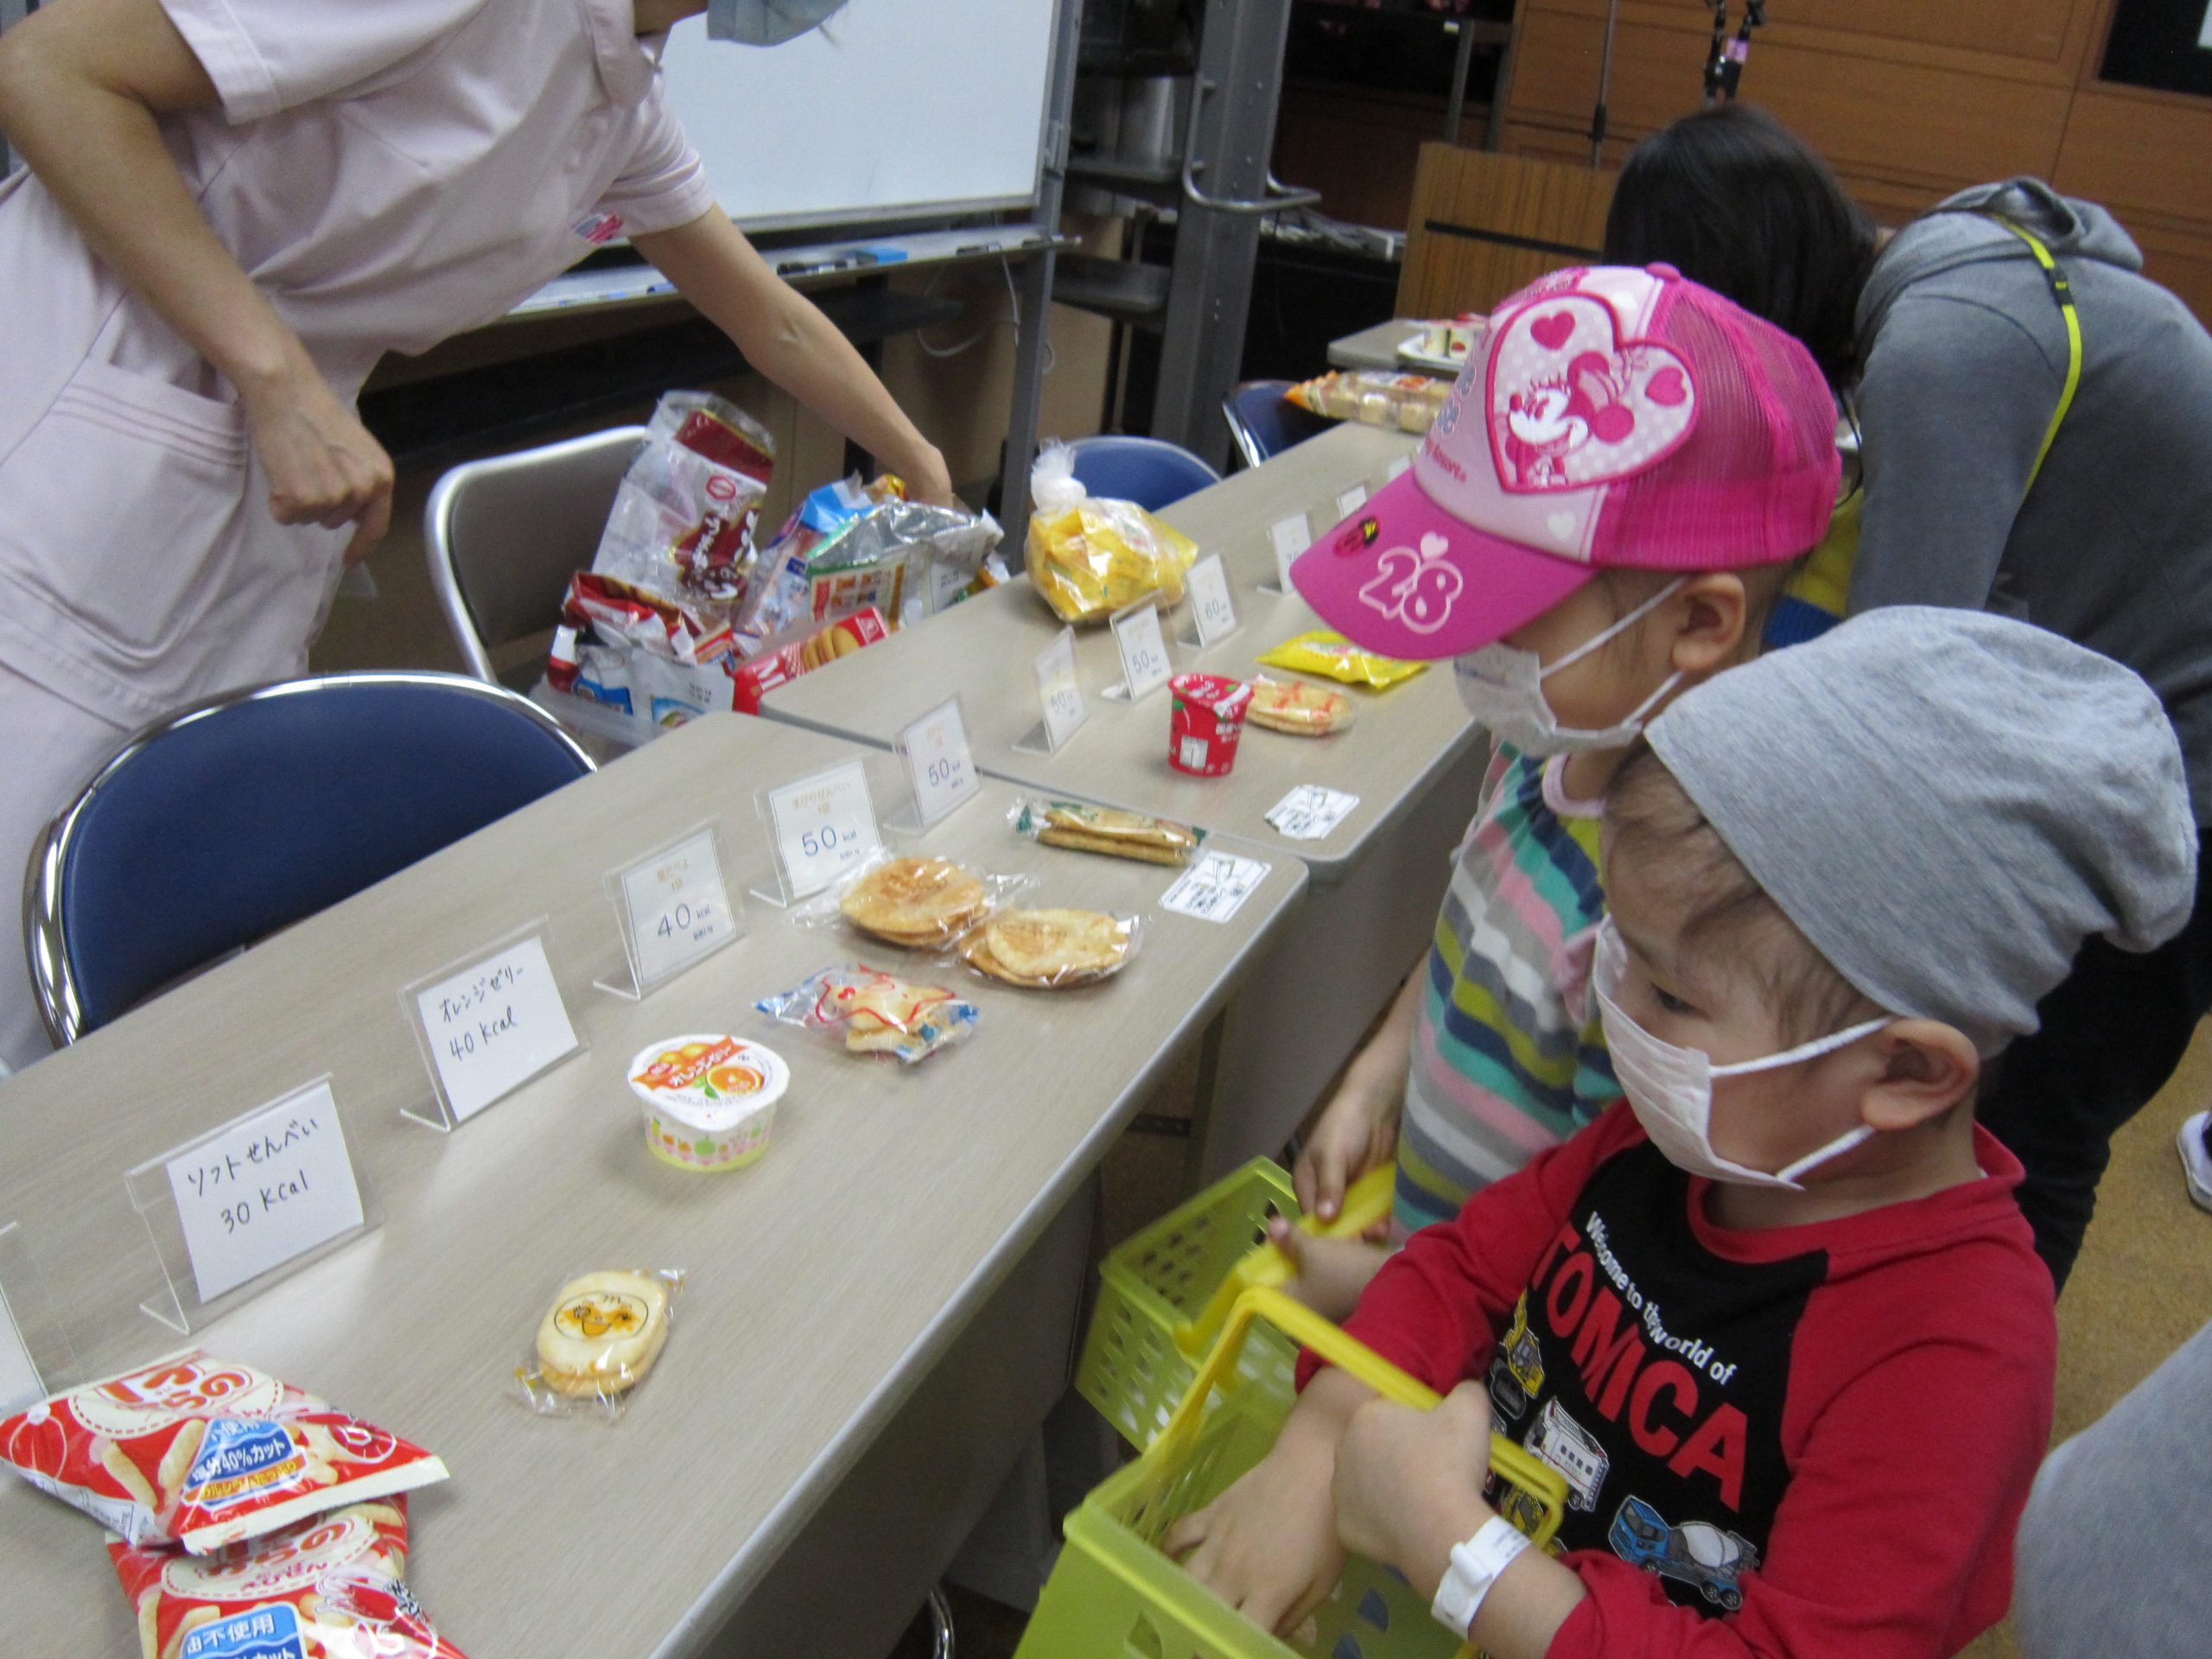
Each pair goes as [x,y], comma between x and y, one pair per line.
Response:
[1335,657]
[1091,557]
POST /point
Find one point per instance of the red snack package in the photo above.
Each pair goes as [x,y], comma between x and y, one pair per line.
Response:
[1205,723]
[329,1588]
[200,1451]
[761,674]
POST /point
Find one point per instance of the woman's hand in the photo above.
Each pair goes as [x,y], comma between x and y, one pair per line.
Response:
[322,465]
[928,479]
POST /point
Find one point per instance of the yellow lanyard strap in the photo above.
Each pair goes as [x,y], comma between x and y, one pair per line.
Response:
[2063,292]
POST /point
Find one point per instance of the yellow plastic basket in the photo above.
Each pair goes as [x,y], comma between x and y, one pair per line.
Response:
[1164,1294]
[1113,1595]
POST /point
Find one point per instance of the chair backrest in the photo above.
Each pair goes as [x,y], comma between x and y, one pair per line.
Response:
[225,822]
[1264,423]
[1150,471]
[503,535]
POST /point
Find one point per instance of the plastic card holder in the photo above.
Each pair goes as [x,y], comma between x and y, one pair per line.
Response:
[1145,665]
[940,776]
[249,1203]
[1288,538]
[36,1357]
[1213,605]
[488,1023]
[1059,697]
[821,828]
[674,910]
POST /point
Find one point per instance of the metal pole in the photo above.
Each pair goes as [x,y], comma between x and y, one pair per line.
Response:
[1461,62]
[1605,85]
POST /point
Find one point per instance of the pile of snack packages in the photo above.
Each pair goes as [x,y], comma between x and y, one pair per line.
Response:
[244,1515]
[680,614]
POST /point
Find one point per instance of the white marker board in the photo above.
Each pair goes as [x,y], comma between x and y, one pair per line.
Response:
[896,109]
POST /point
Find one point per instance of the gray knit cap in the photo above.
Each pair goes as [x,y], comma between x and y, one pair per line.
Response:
[1947,803]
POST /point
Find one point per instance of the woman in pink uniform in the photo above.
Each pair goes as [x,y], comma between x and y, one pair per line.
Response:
[232,209]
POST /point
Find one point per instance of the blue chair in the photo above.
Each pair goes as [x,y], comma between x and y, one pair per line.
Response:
[1264,422]
[1150,471]
[237,817]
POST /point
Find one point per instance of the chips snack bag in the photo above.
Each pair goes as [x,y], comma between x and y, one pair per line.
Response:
[330,1588]
[1091,557]
[1337,658]
[877,1013]
[201,1452]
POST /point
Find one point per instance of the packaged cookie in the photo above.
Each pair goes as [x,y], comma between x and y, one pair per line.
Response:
[1086,829]
[919,902]
[1051,949]
[330,1588]
[201,1452]
[599,1340]
[874,1013]
[1299,707]
[1333,657]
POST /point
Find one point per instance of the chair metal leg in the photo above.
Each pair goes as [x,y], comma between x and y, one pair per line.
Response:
[940,1623]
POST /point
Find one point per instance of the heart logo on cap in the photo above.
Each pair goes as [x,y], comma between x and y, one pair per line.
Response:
[1571,404]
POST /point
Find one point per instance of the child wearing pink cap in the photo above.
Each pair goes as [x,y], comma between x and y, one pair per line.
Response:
[1610,500]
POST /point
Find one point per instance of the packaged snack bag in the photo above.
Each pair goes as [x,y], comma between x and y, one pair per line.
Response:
[780,664]
[1106,829]
[849,548]
[875,1012]
[202,1451]
[600,1336]
[1374,397]
[330,1588]
[1091,557]
[1051,949]
[1337,657]
[682,527]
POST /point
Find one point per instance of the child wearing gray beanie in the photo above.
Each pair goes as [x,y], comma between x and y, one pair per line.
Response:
[1776,1319]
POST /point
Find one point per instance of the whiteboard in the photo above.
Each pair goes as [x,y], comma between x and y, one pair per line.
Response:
[894,109]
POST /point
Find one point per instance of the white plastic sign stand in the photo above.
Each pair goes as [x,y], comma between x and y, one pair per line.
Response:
[940,769]
[35,1354]
[489,1024]
[1059,695]
[675,911]
[1211,606]
[20,1384]
[259,1197]
[1351,501]
[821,826]
[1145,666]
[1291,536]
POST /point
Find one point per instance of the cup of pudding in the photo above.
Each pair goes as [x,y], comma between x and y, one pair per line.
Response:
[709,1101]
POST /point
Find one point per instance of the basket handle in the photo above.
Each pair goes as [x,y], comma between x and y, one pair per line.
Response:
[1514,1465]
[1366,1202]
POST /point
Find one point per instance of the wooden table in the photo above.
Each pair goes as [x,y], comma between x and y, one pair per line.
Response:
[876,1316]
[1412,757]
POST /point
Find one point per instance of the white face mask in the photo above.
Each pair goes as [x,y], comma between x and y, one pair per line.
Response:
[1670,1089]
[765,23]
[1503,687]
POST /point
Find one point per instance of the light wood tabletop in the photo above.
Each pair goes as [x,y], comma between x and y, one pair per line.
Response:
[822,1283]
[983,650]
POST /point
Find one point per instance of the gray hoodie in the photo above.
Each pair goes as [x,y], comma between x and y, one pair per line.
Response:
[1965,357]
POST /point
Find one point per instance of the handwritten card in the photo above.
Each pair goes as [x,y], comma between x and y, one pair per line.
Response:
[824,825]
[1311,812]
[1215,888]
[1291,536]
[678,909]
[272,1187]
[494,1025]
[1059,693]
[938,764]
[1209,599]
[1144,651]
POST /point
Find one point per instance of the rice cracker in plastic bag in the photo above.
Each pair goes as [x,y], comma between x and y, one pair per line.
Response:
[202,1451]
[330,1588]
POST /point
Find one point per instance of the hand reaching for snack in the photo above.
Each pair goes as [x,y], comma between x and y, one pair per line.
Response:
[1358,1131]
[1268,1546]
[1330,1273]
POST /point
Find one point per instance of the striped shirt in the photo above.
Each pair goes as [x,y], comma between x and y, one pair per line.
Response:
[1506,1061]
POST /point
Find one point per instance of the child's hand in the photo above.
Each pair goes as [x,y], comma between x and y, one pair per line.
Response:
[1357,1130]
[1409,1484]
[1268,1546]
[1330,1272]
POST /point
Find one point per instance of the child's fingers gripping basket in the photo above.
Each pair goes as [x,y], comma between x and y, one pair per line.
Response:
[1163,1293]
[1114,1595]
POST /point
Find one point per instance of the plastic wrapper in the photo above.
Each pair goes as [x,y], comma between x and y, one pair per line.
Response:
[1374,397]
[1092,557]
[201,1452]
[330,1588]
[849,548]
[598,1340]
[1086,829]
[917,902]
[682,526]
[1335,658]
[875,1012]
[1299,707]
[781,664]
[1051,949]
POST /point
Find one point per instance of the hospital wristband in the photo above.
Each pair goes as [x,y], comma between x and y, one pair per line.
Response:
[1475,1566]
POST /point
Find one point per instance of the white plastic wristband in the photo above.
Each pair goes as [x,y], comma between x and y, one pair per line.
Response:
[1475,1566]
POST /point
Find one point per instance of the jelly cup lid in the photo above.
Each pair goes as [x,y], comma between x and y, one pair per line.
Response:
[709,1081]
[1222,695]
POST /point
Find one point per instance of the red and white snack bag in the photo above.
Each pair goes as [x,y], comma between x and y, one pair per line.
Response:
[330,1588]
[201,1452]
[682,525]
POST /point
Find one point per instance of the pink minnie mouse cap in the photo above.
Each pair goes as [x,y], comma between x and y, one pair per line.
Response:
[1606,416]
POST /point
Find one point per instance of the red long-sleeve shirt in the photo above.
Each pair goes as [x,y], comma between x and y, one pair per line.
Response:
[1809,1441]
